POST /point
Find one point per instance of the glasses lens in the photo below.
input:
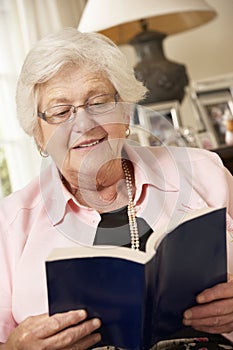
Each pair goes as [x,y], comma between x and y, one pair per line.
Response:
[101,104]
[96,105]
[58,114]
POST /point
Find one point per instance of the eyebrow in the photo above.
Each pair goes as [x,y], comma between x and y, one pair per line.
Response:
[90,94]
[62,100]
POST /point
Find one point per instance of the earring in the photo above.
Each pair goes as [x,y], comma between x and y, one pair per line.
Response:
[127,132]
[43,153]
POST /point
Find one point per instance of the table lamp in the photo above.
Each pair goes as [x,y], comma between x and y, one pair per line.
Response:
[145,24]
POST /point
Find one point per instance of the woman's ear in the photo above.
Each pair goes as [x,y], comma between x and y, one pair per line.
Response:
[38,134]
[127,111]
[39,141]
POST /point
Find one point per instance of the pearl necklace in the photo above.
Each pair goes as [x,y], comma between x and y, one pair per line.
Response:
[134,236]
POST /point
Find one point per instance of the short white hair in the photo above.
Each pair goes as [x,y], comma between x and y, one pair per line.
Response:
[92,51]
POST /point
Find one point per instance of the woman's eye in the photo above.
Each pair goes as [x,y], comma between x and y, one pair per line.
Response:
[96,103]
[61,113]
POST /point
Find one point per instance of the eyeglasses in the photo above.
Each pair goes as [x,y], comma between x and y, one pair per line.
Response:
[96,105]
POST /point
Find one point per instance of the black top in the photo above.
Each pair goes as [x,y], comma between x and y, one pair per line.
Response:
[113,229]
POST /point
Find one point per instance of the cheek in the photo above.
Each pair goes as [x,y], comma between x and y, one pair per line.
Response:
[55,141]
[116,130]
[54,135]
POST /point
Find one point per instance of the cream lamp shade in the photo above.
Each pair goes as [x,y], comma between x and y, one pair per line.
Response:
[119,19]
[129,21]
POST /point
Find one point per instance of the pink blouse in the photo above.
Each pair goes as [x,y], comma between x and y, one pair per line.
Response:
[44,215]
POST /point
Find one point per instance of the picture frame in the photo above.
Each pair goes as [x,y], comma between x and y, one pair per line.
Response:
[205,140]
[213,102]
[169,110]
[161,122]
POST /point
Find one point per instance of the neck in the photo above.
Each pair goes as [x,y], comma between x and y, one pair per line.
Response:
[105,198]
[118,200]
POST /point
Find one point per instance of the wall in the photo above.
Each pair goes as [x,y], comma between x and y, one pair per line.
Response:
[206,51]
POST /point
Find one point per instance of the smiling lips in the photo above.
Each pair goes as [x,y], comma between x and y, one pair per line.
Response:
[91,143]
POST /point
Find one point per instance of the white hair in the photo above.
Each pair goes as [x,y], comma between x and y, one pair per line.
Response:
[92,51]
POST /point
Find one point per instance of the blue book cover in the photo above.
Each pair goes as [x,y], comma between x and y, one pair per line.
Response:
[140,296]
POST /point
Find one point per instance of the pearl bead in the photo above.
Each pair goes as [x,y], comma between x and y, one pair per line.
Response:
[131,209]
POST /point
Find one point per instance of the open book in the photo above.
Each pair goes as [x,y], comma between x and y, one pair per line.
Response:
[141,296]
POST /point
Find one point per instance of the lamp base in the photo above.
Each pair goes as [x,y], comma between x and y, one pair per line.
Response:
[165,79]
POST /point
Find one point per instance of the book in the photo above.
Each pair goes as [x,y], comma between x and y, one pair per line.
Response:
[140,296]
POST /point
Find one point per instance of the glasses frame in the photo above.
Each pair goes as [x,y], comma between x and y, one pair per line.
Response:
[85,106]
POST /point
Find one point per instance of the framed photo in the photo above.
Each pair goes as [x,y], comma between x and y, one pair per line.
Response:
[206,140]
[214,105]
[169,110]
[161,122]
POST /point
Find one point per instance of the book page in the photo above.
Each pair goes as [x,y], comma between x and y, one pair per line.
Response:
[103,251]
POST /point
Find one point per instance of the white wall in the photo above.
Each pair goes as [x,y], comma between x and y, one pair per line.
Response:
[206,51]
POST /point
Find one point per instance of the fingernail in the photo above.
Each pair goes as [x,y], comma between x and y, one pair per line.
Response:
[200,299]
[97,337]
[186,322]
[96,322]
[82,313]
[188,314]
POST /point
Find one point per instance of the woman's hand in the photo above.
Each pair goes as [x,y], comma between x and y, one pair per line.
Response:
[214,314]
[61,331]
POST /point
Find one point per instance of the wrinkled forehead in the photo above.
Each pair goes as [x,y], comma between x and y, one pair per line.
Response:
[70,71]
[74,75]
[76,79]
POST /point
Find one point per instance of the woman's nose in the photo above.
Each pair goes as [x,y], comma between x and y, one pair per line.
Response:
[83,121]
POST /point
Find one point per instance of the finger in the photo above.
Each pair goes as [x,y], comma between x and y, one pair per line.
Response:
[216,308]
[58,322]
[226,328]
[216,321]
[86,342]
[220,291]
[70,336]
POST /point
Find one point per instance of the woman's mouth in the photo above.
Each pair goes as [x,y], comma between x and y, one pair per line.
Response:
[89,143]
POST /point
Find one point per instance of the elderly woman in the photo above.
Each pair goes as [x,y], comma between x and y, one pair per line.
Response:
[74,98]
